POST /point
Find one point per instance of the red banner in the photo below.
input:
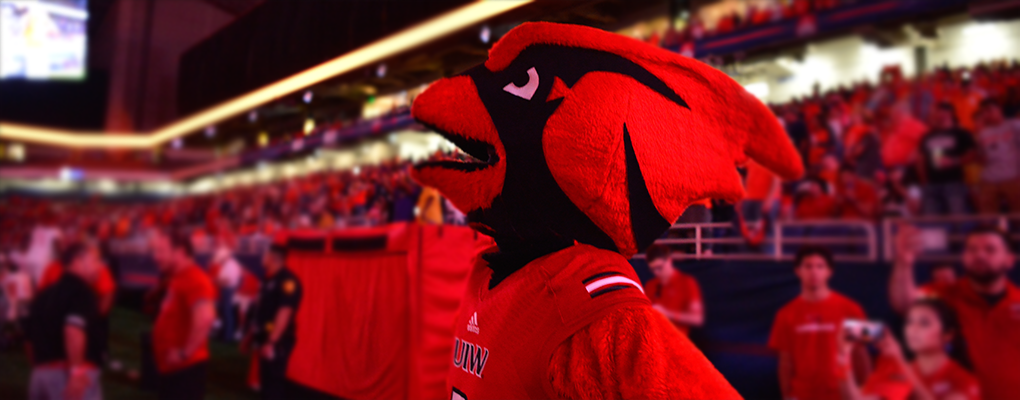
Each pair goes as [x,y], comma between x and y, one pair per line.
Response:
[376,319]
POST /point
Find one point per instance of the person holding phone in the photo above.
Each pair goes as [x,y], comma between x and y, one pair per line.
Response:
[931,327]
[984,299]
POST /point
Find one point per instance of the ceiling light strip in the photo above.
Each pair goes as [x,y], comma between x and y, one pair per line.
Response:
[409,38]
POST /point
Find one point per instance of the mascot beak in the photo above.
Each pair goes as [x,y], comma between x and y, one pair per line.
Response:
[453,108]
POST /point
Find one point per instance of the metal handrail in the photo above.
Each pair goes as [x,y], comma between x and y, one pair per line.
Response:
[868,236]
[778,240]
[1002,221]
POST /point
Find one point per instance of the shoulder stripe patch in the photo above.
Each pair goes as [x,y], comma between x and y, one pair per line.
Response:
[612,280]
[600,275]
[605,290]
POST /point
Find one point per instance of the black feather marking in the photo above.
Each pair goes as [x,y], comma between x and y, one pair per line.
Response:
[645,220]
[578,62]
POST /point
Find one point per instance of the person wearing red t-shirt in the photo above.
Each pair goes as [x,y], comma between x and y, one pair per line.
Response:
[180,335]
[985,301]
[931,328]
[805,329]
[673,293]
[813,202]
[856,197]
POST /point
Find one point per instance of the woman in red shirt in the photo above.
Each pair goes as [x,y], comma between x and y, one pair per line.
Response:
[930,328]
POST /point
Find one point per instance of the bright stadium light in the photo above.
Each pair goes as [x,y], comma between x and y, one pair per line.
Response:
[309,126]
[982,30]
[485,35]
[758,89]
[418,35]
[16,152]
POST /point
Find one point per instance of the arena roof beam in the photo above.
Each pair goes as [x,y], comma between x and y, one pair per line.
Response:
[409,38]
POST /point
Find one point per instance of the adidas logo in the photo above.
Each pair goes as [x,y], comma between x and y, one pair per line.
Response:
[472,325]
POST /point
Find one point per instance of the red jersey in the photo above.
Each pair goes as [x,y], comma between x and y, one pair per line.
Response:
[607,357]
[186,288]
[676,295]
[505,336]
[807,331]
[992,334]
[888,382]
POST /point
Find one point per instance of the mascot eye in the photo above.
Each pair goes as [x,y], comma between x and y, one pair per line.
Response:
[528,90]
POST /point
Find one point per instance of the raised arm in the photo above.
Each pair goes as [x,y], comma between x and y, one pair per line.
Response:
[902,288]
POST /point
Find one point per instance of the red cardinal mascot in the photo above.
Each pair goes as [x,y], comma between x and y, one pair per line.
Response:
[586,146]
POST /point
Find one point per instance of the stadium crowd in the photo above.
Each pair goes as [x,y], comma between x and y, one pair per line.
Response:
[58,263]
[754,15]
[944,143]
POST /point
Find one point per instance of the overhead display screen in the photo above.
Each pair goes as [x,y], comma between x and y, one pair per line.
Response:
[43,39]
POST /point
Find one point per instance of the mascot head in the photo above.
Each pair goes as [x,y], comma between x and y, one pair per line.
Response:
[581,135]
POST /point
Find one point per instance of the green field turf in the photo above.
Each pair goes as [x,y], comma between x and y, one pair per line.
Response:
[228,368]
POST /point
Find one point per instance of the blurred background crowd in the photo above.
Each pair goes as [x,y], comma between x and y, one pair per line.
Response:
[906,115]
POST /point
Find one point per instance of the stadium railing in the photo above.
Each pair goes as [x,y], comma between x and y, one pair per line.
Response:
[853,241]
[941,238]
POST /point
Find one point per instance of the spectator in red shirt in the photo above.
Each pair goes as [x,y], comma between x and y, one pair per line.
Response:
[985,301]
[673,293]
[813,202]
[901,133]
[764,191]
[930,329]
[863,148]
[820,137]
[180,336]
[856,198]
[805,329]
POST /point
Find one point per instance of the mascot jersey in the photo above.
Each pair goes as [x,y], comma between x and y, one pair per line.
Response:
[582,147]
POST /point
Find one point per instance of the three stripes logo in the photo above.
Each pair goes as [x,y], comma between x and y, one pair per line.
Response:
[606,282]
[472,325]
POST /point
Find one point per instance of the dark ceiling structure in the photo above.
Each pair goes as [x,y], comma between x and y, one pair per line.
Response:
[265,45]
[272,39]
